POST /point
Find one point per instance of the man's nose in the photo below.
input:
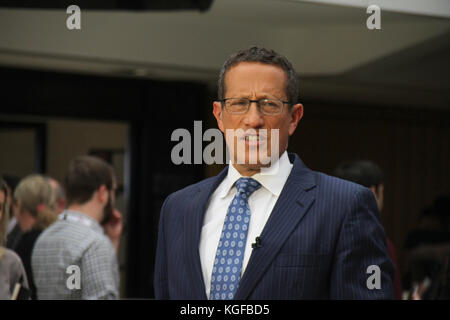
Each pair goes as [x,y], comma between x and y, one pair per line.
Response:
[254,118]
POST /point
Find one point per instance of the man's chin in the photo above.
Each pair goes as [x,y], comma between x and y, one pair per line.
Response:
[251,164]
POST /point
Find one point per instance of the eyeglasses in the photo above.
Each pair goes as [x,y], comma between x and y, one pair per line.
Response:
[269,107]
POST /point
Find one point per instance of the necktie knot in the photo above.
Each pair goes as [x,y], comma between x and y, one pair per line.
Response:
[247,186]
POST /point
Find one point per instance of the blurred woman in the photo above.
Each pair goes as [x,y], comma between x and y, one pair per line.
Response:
[13,279]
[36,201]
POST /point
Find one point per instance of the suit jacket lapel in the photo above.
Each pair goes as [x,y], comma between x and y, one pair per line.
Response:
[193,221]
[293,203]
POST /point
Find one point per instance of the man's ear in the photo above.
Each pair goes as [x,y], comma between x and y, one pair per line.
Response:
[217,111]
[102,194]
[374,191]
[296,114]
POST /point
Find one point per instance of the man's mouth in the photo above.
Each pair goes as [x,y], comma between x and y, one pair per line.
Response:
[253,139]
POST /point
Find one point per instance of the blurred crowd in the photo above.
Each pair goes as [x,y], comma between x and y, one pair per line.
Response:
[60,240]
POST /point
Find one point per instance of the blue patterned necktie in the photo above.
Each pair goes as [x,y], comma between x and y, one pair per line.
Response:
[230,251]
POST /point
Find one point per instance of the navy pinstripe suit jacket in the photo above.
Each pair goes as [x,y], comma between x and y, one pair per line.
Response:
[321,237]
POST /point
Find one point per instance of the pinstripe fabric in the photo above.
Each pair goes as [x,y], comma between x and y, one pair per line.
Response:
[322,235]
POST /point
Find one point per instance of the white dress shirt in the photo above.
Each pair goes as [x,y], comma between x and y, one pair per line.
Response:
[261,203]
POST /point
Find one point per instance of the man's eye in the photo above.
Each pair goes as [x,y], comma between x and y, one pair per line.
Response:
[239,103]
[269,103]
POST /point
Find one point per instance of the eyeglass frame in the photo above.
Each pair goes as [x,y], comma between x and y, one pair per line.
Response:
[250,101]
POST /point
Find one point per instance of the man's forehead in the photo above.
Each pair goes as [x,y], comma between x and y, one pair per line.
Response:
[250,78]
[251,67]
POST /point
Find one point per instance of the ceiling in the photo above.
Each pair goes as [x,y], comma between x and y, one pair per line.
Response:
[335,54]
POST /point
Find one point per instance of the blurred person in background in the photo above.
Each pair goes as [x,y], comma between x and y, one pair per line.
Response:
[427,251]
[14,233]
[12,272]
[369,175]
[35,201]
[60,202]
[85,238]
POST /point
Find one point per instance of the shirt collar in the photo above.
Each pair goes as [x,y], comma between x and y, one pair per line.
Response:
[273,182]
[82,218]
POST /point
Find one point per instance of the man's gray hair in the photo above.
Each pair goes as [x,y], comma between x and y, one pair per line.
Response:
[266,56]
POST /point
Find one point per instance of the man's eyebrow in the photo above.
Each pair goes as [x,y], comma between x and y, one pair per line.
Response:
[260,96]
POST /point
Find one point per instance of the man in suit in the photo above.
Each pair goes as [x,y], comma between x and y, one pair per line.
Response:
[284,232]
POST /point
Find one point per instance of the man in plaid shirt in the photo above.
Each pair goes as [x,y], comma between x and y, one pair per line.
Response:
[75,258]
